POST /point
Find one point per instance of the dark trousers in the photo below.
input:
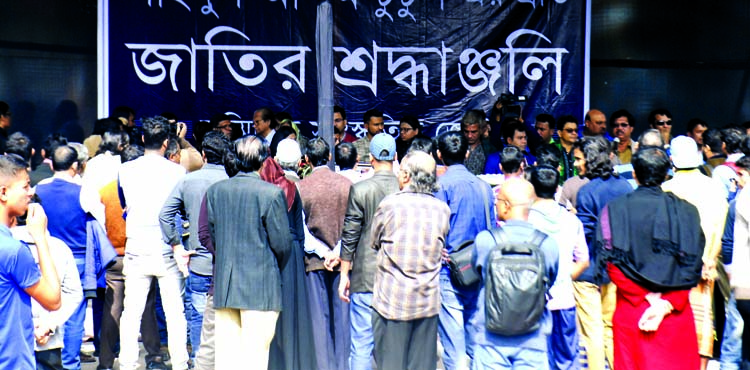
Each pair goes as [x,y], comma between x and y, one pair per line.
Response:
[50,359]
[330,320]
[113,305]
[401,345]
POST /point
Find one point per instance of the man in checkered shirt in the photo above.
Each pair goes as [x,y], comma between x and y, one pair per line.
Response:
[409,231]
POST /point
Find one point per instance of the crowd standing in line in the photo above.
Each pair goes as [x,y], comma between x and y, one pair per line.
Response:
[592,249]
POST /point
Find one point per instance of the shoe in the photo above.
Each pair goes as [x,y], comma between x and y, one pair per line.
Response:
[103,368]
[158,365]
[85,357]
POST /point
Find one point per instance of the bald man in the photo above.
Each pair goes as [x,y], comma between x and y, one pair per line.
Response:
[494,351]
[595,124]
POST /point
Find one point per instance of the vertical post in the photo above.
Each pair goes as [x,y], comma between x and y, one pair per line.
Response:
[587,60]
[324,59]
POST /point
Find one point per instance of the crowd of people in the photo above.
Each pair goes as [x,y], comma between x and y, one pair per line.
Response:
[591,248]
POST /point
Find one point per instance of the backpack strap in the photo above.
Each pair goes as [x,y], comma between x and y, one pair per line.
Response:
[499,235]
[537,238]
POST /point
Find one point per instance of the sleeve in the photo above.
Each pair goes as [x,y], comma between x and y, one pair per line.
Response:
[190,158]
[172,205]
[587,212]
[204,231]
[491,205]
[277,224]
[352,226]
[71,291]
[91,201]
[24,270]
[581,249]
[551,257]
[299,220]
[727,239]
[313,245]
[378,223]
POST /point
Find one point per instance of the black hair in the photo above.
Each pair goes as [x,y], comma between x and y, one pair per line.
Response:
[743,162]
[230,161]
[369,114]
[64,157]
[566,119]
[745,145]
[548,154]
[545,117]
[52,142]
[10,166]
[511,159]
[412,121]
[214,145]
[453,147]
[266,114]
[155,131]
[655,112]
[218,118]
[131,152]
[340,110]
[732,138]
[20,145]
[113,141]
[346,156]
[651,166]
[695,122]
[283,116]
[712,139]
[106,124]
[509,129]
[123,112]
[281,133]
[318,152]
[423,144]
[622,113]
[544,179]
[4,108]
[596,152]
[200,129]
[473,117]
[169,116]
[173,147]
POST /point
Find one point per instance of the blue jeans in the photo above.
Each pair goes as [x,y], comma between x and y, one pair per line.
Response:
[73,336]
[457,308]
[562,343]
[496,357]
[363,340]
[199,285]
[731,345]
[330,320]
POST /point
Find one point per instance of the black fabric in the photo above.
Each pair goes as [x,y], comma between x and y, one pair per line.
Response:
[654,238]
[50,359]
[405,344]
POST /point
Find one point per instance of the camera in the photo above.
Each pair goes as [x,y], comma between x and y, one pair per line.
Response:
[511,105]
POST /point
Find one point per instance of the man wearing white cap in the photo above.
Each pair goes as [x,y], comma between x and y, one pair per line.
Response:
[709,197]
[288,156]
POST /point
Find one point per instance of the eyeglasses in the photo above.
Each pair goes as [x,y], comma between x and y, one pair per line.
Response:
[7,114]
[406,129]
[623,125]
[338,120]
[662,123]
[225,127]
[570,130]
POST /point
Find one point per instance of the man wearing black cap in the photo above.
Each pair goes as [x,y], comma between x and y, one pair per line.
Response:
[222,123]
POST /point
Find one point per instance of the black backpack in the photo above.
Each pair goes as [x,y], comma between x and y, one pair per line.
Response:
[516,285]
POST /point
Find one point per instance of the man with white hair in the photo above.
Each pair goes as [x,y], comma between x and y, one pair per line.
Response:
[288,155]
[710,198]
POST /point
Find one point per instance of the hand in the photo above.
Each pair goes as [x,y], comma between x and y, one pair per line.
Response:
[654,315]
[344,288]
[331,261]
[181,129]
[182,257]
[708,272]
[42,334]
[445,256]
[36,221]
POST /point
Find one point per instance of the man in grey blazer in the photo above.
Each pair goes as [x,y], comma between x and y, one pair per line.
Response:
[249,228]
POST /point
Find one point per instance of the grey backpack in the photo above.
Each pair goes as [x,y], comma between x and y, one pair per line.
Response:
[516,285]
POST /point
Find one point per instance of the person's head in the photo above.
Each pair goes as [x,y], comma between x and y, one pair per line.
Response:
[548,154]
[545,180]
[580,159]
[131,152]
[512,161]
[383,148]
[452,147]
[200,129]
[172,152]
[15,186]
[712,144]
[622,125]
[409,128]
[514,133]
[695,129]
[417,173]
[83,156]
[567,128]
[339,118]
[125,115]
[596,155]
[65,159]
[374,123]
[318,152]
[745,145]
[732,138]
[284,119]
[514,199]
[346,156]
[545,126]
[651,166]
[595,123]
[685,154]
[423,144]
[155,133]
[51,143]
[472,126]
[20,145]
[743,171]
[5,115]
[283,132]
[214,145]
[661,119]
[113,141]
[251,153]
[222,123]
[106,124]
[263,121]
[288,155]
[650,138]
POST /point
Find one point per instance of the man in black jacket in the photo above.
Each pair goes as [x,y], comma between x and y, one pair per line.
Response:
[364,198]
